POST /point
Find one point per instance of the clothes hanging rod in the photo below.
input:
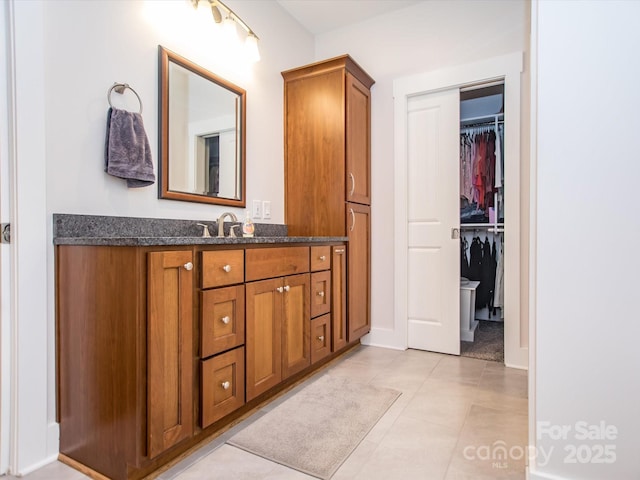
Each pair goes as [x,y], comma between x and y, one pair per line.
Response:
[480,125]
[495,228]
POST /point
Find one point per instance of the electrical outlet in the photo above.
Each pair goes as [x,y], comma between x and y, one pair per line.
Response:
[257,209]
[266,209]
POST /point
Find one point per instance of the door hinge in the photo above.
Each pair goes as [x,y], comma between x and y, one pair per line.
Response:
[6,233]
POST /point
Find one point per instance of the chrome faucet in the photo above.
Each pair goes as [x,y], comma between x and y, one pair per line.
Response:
[221,222]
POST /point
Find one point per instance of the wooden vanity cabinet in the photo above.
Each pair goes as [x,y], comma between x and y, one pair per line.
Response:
[157,346]
[124,358]
[327,141]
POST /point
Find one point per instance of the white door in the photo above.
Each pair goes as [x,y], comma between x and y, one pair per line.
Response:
[433,256]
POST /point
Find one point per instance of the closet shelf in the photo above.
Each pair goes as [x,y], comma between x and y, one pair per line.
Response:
[497,116]
[468,226]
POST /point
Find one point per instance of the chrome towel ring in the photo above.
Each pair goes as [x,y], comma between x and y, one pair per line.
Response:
[120,88]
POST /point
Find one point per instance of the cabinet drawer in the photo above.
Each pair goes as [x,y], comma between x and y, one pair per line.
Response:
[320,258]
[276,262]
[222,319]
[222,267]
[320,337]
[320,293]
[222,380]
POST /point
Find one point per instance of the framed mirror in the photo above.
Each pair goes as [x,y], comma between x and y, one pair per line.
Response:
[202,134]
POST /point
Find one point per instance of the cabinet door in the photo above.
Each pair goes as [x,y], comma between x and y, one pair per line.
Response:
[338,298]
[320,337]
[263,335]
[358,138]
[222,383]
[169,349]
[320,258]
[315,153]
[296,325]
[222,319]
[358,271]
[320,293]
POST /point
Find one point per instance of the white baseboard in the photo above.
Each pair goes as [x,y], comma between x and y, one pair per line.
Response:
[53,439]
[53,446]
[35,466]
[385,337]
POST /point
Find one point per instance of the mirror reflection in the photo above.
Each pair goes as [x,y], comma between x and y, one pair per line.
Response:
[202,134]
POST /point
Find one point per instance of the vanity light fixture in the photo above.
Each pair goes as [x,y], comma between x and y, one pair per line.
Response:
[229,26]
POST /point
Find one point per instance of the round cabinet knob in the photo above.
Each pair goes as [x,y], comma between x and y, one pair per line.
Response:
[225,319]
[188,266]
[322,258]
[280,289]
[287,288]
[227,268]
[225,385]
[320,294]
[321,338]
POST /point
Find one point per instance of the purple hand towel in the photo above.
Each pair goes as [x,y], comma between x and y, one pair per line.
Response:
[127,152]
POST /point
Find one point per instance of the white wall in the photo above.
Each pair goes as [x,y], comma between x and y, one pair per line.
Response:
[90,45]
[587,322]
[421,38]
[68,54]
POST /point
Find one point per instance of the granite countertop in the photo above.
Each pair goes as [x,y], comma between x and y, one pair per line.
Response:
[150,241]
[71,229]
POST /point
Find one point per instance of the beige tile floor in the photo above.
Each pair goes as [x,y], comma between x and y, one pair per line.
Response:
[455,418]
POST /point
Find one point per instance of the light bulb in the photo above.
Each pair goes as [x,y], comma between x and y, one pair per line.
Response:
[251,48]
[229,29]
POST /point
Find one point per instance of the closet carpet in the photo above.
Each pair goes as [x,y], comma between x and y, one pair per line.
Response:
[488,344]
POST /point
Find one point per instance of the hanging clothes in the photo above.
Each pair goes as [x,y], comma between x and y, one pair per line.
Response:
[484,293]
[480,151]
[498,296]
[475,260]
[464,261]
[498,150]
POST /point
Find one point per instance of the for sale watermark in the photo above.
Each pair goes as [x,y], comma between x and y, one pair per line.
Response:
[581,442]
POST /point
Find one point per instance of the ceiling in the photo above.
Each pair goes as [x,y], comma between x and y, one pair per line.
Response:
[320,16]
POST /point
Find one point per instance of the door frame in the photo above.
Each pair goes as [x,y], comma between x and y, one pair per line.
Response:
[5,251]
[508,68]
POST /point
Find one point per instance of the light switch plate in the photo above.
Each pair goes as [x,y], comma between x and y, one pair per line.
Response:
[266,209]
[257,209]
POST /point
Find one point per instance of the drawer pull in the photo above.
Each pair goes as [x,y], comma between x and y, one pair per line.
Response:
[188,266]
[339,251]
[280,289]
[227,268]
[322,258]
[225,385]
[320,294]
[287,288]
[321,338]
[225,319]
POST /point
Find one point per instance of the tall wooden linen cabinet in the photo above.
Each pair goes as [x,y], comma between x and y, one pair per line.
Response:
[327,139]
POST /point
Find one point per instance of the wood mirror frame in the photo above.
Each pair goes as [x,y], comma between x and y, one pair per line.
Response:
[197,187]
